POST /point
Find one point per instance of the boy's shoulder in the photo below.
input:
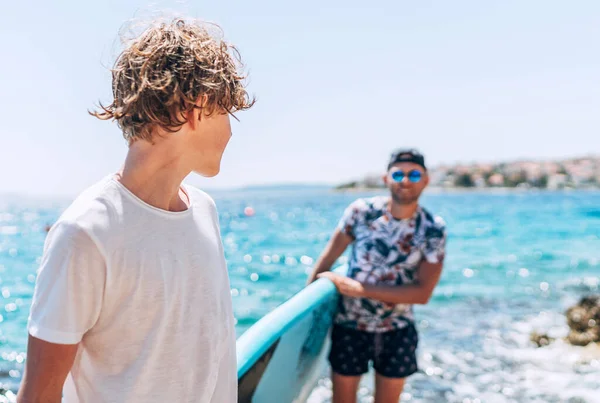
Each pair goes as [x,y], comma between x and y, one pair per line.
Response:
[200,198]
[87,215]
[91,204]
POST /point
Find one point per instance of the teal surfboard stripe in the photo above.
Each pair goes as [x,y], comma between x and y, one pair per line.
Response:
[253,343]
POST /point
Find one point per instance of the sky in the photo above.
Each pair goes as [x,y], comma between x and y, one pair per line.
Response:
[339,85]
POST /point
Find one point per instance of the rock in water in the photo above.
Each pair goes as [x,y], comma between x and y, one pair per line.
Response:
[541,340]
[584,321]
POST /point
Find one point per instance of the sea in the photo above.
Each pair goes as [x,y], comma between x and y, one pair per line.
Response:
[516,260]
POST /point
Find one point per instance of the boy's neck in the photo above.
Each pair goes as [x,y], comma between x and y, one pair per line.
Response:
[154,173]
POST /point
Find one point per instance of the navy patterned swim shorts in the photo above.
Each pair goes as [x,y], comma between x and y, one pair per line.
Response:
[393,353]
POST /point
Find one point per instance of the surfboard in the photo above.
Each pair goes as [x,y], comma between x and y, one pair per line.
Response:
[281,357]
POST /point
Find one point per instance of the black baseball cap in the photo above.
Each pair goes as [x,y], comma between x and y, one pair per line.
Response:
[407,155]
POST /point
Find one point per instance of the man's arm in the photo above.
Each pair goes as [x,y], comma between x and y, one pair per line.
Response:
[392,294]
[430,271]
[429,275]
[46,369]
[334,249]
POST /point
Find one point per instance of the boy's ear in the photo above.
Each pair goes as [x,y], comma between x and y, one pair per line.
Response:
[193,116]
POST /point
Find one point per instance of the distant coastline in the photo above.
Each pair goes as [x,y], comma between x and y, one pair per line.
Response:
[574,173]
[467,190]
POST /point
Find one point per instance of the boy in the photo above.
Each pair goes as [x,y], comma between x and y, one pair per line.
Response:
[132,300]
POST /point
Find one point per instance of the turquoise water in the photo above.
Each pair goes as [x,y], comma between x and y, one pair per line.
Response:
[515,261]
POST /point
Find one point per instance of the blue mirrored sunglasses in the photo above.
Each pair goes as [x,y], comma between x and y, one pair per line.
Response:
[414,176]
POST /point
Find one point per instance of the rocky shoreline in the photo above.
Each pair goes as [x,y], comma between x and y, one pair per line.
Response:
[583,320]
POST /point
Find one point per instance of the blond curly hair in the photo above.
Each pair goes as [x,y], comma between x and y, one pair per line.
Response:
[168,70]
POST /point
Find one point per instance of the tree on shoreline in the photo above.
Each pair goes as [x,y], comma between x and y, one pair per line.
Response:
[464,180]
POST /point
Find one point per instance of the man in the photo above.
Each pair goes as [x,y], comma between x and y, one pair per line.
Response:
[132,301]
[396,261]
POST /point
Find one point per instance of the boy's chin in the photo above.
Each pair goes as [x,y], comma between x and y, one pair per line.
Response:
[208,172]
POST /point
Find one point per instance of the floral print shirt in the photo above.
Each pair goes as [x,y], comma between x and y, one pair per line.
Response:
[386,251]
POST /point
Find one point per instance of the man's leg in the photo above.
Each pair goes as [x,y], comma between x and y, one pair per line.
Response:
[349,358]
[395,360]
[344,388]
[388,390]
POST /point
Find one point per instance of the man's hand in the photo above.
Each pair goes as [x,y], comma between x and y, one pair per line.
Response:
[346,286]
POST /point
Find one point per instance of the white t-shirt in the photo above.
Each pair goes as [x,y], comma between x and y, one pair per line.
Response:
[146,294]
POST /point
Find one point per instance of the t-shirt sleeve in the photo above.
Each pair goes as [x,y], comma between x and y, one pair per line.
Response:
[69,287]
[435,241]
[350,218]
